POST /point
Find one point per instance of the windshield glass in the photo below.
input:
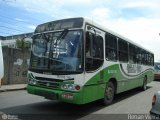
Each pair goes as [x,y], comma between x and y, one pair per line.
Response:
[57,51]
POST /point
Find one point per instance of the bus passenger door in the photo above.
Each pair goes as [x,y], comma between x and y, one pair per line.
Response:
[94,59]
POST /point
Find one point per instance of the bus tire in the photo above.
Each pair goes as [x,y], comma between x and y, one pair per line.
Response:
[144,87]
[109,93]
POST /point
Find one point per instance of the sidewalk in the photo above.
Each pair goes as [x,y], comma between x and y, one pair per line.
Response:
[13,87]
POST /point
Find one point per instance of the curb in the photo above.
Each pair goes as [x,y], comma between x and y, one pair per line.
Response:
[16,89]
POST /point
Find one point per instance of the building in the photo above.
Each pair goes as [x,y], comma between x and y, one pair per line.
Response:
[10,41]
[16,60]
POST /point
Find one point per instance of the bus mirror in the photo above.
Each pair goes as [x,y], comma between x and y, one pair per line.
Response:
[89,27]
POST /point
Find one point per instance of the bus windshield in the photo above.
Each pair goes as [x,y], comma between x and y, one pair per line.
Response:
[57,51]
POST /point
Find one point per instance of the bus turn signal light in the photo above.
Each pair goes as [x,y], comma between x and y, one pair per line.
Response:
[77,87]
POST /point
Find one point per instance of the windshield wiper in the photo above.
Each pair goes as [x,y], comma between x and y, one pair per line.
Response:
[57,41]
[63,34]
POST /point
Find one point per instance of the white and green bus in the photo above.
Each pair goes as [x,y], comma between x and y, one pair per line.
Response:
[78,61]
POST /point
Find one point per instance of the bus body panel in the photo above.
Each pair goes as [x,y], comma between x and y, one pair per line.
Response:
[93,89]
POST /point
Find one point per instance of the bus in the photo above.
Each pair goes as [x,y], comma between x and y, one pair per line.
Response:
[157,71]
[1,64]
[77,61]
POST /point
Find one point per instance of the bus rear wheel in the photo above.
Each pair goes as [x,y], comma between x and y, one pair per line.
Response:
[109,93]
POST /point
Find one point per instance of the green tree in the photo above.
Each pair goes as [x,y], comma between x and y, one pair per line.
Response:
[22,44]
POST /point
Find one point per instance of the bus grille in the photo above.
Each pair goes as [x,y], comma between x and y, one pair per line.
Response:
[48,82]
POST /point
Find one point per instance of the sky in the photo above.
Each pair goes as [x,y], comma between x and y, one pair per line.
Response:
[137,20]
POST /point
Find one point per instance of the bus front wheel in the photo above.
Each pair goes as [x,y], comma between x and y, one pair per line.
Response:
[109,93]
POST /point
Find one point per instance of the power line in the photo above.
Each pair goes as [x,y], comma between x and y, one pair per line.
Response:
[10,28]
[17,24]
[24,15]
[13,20]
[8,0]
[59,14]
[11,24]
[12,33]
[5,30]
[55,11]
[1,32]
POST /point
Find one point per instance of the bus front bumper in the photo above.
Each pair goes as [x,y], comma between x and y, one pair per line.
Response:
[60,95]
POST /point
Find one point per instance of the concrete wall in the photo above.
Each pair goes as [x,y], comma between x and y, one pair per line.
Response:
[16,62]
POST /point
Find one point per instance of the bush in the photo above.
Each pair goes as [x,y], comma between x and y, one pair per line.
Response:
[22,44]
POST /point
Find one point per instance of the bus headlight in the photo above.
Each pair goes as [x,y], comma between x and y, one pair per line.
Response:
[32,81]
[65,87]
[71,87]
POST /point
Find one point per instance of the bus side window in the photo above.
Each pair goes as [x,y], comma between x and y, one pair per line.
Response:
[123,50]
[111,47]
[139,56]
[93,51]
[98,47]
[132,54]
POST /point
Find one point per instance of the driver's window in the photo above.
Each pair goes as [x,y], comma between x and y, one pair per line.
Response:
[93,51]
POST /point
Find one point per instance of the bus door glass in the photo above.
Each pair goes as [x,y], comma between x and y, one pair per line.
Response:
[93,49]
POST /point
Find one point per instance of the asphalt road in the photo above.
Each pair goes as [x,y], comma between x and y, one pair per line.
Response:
[21,105]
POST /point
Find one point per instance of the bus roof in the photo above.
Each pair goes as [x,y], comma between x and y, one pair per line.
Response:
[114,33]
[42,27]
